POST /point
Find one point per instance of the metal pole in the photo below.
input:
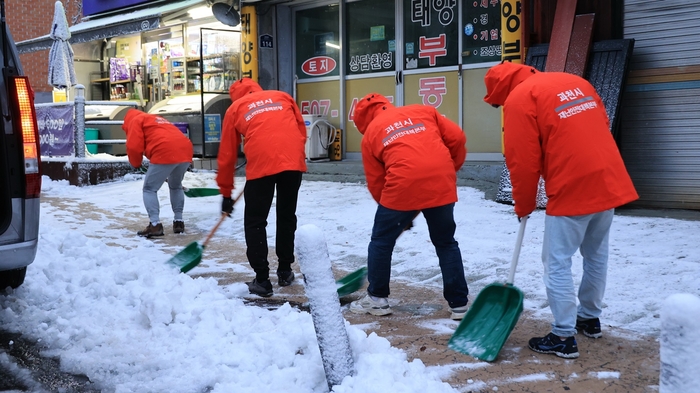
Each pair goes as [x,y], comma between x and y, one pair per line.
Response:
[80,121]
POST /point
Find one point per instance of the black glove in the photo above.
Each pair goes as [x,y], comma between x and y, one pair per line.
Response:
[227,206]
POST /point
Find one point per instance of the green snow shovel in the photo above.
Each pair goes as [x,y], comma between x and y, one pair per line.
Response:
[205,192]
[192,254]
[200,192]
[352,282]
[492,317]
[355,280]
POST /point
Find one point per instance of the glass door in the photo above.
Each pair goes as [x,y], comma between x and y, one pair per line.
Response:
[212,73]
[317,71]
[370,57]
[317,62]
[219,63]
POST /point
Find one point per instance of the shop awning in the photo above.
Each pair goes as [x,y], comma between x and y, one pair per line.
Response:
[112,26]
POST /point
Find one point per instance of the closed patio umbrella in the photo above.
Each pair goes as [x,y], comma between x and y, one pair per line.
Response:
[61,68]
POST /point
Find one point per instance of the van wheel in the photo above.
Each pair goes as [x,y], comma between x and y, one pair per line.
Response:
[12,278]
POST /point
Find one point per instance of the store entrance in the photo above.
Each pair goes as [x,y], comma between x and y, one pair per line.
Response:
[190,72]
[405,50]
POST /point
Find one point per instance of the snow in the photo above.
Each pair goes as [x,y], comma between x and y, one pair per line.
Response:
[61,68]
[321,290]
[106,302]
[606,374]
[680,321]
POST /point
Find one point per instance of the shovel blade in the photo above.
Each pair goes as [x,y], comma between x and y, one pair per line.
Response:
[201,192]
[352,282]
[489,321]
[188,258]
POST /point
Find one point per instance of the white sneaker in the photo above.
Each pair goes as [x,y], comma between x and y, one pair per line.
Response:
[458,313]
[372,305]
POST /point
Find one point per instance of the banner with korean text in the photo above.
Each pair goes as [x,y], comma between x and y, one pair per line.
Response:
[56,129]
[431,33]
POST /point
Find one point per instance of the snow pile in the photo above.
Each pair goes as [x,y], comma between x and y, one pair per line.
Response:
[321,291]
[680,333]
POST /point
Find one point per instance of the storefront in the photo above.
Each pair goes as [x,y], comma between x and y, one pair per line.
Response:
[174,58]
[436,53]
[433,53]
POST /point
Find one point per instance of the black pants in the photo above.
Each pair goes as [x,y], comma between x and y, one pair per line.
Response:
[258,200]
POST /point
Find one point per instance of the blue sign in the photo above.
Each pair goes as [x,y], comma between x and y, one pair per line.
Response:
[56,129]
[212,128]
[266,41]
[409,48]
[92,7]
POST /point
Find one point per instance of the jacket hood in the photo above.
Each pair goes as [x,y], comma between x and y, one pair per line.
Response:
[131,115]
[369,107]
[501,79]
[242,87]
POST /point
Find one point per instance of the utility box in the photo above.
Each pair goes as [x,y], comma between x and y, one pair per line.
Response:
[320,134]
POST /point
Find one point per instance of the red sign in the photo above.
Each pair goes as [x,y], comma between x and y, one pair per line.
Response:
[319,65]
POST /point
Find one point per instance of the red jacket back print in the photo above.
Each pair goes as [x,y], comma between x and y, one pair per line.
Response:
[410,154]
[555,125]
[156,138]
[271,125]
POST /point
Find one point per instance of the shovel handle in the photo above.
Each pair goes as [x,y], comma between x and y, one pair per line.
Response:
[516,252]
[218,224]
[213,230]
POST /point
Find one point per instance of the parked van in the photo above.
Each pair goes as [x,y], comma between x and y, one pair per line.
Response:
[20,176]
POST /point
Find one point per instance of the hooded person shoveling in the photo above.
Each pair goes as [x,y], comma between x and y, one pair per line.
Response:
[274,132]
[556,126]
[169,153]
[411,156]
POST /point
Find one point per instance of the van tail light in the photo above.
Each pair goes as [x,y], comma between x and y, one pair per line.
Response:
[24,118]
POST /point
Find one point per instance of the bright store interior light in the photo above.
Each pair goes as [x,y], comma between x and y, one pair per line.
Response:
[200,12]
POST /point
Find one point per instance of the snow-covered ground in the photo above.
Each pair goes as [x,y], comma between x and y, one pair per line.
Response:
[108,304]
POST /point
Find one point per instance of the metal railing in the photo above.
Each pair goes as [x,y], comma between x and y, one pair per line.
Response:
[80,121]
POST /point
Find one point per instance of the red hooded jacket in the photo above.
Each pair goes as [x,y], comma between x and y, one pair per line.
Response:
[274,132]
[156,138]
[555,125]
[410,154]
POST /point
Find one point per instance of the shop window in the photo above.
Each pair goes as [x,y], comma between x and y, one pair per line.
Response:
[431,33]
[371,35]
[481,39]
[317,42]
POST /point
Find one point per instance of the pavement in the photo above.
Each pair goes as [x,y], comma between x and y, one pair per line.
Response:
[621,361]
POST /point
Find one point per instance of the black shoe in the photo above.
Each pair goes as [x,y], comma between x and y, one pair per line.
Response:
[551,343]
[285,278]
[260,288]
[178,226]
[151,231]
[589,327]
